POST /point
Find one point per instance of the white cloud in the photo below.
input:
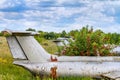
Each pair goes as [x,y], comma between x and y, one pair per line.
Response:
[30,24]
[32,3]
[94,13]
[9,3]
[1,15]
[111,28]
[3,4]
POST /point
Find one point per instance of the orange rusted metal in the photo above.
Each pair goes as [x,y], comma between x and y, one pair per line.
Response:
[53,73]
[53,59]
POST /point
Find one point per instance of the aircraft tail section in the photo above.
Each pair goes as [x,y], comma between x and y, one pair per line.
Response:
[24,46]
[15,48]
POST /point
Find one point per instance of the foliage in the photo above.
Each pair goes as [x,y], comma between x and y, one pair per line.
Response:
[39,38]
[30,29]
[73,33]
[88,43]
[74,78]
[48,45]
[110,38]
[50,35]
[8,71]
[63,34]
[1,34]
[113,38]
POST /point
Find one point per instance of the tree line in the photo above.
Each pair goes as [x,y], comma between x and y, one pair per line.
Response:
[87,41]
[110,38]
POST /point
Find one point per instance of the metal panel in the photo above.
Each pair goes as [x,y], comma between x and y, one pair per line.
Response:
[92,69]
[19,33]
[112,75]
[15,48]
[33,50]
[89,58]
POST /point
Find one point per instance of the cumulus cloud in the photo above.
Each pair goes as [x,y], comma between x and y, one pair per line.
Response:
[58,15]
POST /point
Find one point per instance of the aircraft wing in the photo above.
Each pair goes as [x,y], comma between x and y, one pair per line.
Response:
[112,75]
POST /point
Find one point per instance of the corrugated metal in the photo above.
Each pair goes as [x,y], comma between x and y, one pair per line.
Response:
[15,48]
[32,49]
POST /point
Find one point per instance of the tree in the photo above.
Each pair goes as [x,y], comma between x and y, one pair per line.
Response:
[63,34]
[73,33]
[30,29]
[50,35]
[113,38]
[1,34]
[88,43]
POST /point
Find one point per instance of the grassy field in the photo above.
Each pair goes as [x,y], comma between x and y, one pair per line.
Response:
[8,71]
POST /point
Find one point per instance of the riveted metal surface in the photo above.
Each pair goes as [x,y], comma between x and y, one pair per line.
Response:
[74,68]
[32,49]
[15,48]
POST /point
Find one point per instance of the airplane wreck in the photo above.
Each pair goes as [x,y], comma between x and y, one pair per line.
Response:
[28,53]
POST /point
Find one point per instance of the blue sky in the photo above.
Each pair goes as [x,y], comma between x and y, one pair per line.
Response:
[58,15]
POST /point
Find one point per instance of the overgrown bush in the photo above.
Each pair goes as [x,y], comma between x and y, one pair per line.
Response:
[39,39]
[88,43]
[1,34]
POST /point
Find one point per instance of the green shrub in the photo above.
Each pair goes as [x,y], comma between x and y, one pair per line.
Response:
[88,43]
[1,34]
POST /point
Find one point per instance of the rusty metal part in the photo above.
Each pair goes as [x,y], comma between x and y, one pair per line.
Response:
[53,59]
[53,73]
[92,69]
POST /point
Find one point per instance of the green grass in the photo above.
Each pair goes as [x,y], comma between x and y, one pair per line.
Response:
[49,46]
[75,78]
[8,71]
